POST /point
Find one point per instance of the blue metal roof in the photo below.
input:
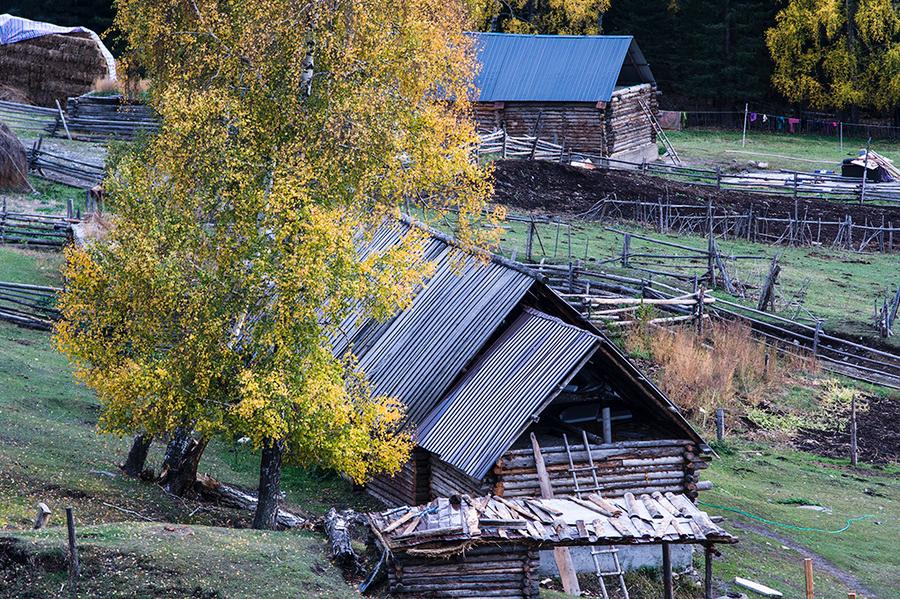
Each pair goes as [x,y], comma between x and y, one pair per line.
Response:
[552,68]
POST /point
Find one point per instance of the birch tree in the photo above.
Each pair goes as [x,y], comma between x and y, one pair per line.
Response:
[290,130]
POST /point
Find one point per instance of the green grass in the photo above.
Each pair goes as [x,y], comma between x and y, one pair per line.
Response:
[720,148]
[149,560]
[50,451]
[771,483]
[35,267]
[835,285]
[48,197]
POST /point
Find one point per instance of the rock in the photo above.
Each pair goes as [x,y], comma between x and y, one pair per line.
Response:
[13,161]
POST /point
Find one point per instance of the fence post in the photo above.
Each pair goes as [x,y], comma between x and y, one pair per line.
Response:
[816,338]
[808,573]
[853,439]
[74,566]
[504,143]
[626,250]
[720,424]
[862,191]
[528,241]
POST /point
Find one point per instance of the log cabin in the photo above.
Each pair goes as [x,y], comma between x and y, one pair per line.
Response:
[487,355]
[590,94]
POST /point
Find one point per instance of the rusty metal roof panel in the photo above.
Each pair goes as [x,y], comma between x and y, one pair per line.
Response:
[554,68]
[509,384]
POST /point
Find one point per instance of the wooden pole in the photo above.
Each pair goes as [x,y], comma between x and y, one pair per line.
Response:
[561,554]
[862,192]
[853,446]
[744,136]
[63,117]
[720,424]
[529,241]
[668,587]
[607,426]
[708,574]
[74,566]
[808,571]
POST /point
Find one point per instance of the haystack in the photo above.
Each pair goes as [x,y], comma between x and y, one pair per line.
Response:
[49,63]
[13,161]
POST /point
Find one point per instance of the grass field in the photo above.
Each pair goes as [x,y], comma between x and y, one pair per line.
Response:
[774,483]
[835,285]
[780,151]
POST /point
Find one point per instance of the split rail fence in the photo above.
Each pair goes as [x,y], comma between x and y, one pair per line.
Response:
[32,306]
[54,166]
[581,285]
[37,230]
[81,125]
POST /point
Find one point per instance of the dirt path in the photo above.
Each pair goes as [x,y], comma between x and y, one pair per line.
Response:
[819,562]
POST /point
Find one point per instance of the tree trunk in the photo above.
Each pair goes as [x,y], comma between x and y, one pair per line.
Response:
[269,486]
[137,456]
[179,473]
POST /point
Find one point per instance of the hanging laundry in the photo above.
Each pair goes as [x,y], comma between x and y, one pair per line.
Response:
[752,117]
[765,118]
[792,123]
[779,123]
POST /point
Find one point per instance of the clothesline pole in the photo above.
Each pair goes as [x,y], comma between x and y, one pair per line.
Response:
[842,136]
[744,136]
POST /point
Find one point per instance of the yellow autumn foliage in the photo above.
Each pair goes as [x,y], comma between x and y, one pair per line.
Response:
[291,131]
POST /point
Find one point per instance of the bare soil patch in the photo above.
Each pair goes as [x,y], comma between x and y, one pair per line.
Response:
[877,435]
[553,188]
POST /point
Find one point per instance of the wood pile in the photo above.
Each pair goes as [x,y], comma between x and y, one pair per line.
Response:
[99,117]
[486,546]
[635,466]
[627,125]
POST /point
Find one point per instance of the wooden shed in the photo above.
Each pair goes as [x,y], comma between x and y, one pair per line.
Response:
[465,546]
[488,354]
[590,94]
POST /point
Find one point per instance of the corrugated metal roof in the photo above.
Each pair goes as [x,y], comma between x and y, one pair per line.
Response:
[553,68]
[512,381]
[416,355]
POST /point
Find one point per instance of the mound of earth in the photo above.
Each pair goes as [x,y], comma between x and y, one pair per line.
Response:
[550,187]
[877,435]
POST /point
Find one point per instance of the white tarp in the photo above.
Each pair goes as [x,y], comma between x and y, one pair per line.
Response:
[17,29]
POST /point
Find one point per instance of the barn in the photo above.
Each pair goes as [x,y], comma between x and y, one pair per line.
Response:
[487,355]
[590,94]
[507,388]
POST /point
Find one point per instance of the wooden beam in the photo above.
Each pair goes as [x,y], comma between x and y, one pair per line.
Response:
[708,573]
[668,587]
[560,554]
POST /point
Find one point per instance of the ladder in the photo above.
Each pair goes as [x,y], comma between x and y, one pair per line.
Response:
[670,149]
[597,552]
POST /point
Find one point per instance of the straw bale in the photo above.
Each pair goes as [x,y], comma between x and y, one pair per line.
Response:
[13,161]
[52,67]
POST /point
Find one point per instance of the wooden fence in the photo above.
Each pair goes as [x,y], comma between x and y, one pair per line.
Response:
[786,335]
[500,144]
[81,125]
[36,230]
[32,306]
[57,167]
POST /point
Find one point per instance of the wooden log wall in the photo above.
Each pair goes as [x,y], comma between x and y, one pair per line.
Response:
[579,126]
[627,125]
[410,486]
[628,467]
[447,480]
[483,571]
